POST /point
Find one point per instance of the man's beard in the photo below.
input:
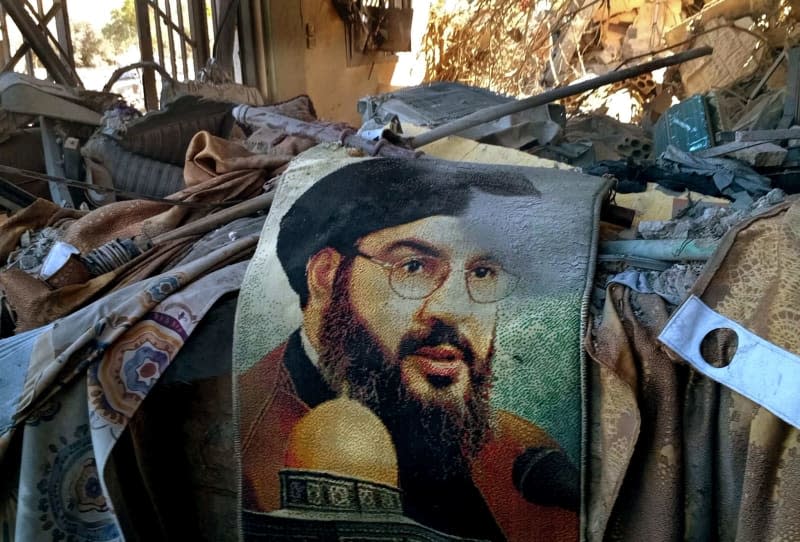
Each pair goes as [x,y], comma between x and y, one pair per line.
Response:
[433,441]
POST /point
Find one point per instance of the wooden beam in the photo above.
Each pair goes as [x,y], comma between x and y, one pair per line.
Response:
[57,67]
[63,31]
[768,135]
[183,38]
[6,48]
[791,107]
[25,47]
[167,19]
[225,33]
[171,29]
[198,25]
[159,38]
[247,43]
[146,51]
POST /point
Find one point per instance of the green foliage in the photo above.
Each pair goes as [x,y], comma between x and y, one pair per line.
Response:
[120,32]
[89,47]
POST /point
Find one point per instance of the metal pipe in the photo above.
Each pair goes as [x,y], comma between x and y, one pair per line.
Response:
[498,111]
[670,250]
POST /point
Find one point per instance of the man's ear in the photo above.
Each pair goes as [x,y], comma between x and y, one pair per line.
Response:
[321,272]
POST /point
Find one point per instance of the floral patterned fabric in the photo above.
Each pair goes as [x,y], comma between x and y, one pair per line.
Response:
[83,378]
[674,455]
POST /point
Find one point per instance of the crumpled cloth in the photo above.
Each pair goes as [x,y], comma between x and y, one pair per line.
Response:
[674,455]
[635,462]
[216,171]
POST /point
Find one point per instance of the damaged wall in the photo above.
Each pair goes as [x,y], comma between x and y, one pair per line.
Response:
[309,56]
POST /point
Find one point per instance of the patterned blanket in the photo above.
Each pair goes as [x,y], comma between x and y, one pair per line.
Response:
[70,388]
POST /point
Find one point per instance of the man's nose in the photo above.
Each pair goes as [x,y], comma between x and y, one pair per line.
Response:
[450,302]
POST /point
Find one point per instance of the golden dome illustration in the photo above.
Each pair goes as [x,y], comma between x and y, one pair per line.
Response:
[343,436]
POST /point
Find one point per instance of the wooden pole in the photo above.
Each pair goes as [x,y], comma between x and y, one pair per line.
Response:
[146,51]
[208,223]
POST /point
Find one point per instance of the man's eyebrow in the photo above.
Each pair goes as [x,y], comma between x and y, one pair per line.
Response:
[416,245]
[485,257]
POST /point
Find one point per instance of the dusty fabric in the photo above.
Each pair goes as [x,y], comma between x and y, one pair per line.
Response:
[752,491]
[674,454]
[130,171]
[105,357]
[223,235]
[216,171]
[225,92]
[636,466]
[176,479]
[36,303]
[535,398]
[299,107]
[165,134]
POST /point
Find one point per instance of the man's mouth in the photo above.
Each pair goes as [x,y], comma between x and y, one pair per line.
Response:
[440,363]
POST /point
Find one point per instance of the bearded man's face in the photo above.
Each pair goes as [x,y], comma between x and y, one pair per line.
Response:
[420,359]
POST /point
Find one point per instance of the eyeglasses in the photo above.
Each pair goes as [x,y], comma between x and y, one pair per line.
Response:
[417,277]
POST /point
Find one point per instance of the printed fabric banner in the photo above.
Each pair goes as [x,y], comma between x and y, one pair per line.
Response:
[408,352]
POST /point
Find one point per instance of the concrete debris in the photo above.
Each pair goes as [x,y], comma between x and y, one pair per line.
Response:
[674,283]
[737,55]
[33,249]
[640,37]
[698,221]
[731,9]
[764,154]
[701,220]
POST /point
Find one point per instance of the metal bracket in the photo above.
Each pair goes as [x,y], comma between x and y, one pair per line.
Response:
[54,164]
[759,370]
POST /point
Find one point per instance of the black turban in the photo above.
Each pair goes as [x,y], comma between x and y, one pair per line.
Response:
[371,195]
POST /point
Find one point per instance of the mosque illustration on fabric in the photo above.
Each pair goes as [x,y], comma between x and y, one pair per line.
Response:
[322,506]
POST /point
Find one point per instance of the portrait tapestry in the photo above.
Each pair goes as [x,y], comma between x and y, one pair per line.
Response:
[407,352]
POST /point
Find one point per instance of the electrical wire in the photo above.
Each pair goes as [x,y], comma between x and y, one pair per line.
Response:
[35,176]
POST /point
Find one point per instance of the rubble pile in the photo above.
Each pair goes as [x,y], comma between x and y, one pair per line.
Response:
[523,48]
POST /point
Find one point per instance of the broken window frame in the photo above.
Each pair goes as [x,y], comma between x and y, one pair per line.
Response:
[362,17]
